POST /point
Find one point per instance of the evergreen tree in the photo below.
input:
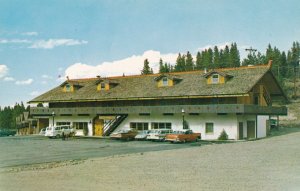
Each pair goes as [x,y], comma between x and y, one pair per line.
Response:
[216,58]
[226,57]
[146,70]
[199,63]
[284,65]
[189,63]
[161,66]
[207,57]
[180,63]
[234,56]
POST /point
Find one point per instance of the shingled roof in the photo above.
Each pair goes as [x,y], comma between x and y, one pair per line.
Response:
[145,87]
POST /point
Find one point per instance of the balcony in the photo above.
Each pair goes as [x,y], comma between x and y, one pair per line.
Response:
[221,108]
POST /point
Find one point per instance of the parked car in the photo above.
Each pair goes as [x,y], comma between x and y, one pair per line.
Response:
[127,134]
[7,132]
[57,131]
[158,134]
[43,131]
[142,135]
[183,136]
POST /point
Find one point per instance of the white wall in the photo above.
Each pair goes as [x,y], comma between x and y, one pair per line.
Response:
[196,123]
[262,125]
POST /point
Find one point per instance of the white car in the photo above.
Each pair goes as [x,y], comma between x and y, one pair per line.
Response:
[158,134]
[57,131]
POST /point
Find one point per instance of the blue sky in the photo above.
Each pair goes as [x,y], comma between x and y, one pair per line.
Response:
[41,42]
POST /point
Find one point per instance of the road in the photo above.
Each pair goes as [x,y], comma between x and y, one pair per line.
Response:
[25,150]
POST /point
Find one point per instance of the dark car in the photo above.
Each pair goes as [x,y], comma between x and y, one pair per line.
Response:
[7,132]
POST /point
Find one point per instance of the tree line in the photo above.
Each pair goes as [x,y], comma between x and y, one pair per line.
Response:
[284,64]
[8,115]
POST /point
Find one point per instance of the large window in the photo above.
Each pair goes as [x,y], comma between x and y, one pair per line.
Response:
[139,126]
[209,128]
[80,125]
[161,125]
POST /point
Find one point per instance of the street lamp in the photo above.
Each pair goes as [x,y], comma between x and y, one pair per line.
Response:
[183,112]
[53,114]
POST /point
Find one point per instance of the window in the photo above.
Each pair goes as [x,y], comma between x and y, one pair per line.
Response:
[68,87]
[62,123]
[215,78]
[102,86]
[139,126]
[161,125]
[165,81]
[80,125]
[209,128]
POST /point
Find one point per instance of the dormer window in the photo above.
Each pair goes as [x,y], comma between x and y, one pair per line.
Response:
[102,86]
[68,87]
[165,81]
[215,78]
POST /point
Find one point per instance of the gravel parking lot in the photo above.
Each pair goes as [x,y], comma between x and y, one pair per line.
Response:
[267,164]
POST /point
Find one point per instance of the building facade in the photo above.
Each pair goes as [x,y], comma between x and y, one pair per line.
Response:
[237,100]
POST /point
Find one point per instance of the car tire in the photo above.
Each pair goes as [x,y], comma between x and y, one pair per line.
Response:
[57,136]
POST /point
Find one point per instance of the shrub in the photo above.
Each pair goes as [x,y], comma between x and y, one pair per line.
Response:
[223,135]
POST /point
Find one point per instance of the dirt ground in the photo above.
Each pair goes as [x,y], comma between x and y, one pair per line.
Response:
[267,164]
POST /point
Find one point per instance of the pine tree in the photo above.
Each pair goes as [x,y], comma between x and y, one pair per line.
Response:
[234,56]
[189,63]
[180,63]
[161,66]
[226,57]
[146,70]
[199,62]
[216,58]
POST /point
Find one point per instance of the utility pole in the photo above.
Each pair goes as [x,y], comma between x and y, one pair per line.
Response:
[251,50]
[251,53]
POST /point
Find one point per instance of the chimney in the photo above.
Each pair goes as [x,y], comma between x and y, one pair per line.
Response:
[205,70]
[68,78]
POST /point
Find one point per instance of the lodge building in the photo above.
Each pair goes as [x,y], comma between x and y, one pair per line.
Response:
[238,100]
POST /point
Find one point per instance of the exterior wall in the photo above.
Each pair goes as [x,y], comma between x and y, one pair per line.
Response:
[195,122]
[244,119]
[262,125]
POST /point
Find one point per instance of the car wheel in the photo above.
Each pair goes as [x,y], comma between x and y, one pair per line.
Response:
[57,136]
[184,141]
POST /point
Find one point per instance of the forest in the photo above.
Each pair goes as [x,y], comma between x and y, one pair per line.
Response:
[285,67]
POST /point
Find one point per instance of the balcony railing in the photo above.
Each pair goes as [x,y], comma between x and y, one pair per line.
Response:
[222,108]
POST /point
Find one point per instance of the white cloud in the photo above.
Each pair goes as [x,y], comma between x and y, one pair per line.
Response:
[14,41]
[34,93]
[45,76]
[51,43]
[30,33]
[220,46]
[128,66]
[3,71]
[24,82]
[8,79]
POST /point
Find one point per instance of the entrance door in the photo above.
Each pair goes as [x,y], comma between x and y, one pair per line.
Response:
[98,127]
[250,129]
[241,130]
